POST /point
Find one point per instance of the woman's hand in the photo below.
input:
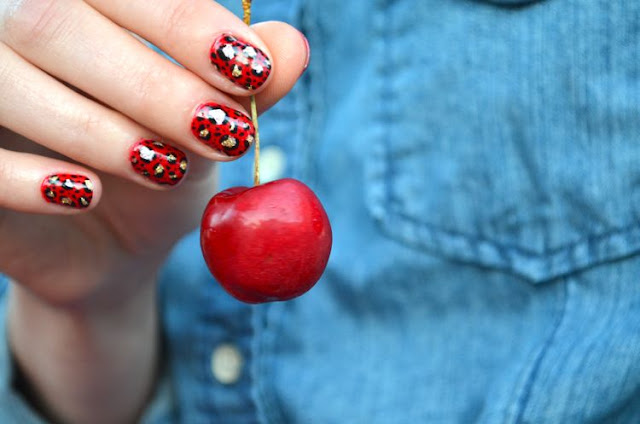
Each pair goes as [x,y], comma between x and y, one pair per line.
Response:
[112,225]
[98,127]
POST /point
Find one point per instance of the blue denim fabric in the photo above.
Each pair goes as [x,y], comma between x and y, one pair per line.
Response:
[480,164]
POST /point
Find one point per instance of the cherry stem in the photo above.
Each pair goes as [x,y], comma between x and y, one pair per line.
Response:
[256,158]
[246,9]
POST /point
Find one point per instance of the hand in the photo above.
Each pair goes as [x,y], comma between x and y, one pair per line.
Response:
[86,217]
[123,229]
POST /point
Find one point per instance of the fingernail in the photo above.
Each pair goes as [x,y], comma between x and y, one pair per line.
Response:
[72,190]
[158,162]
[222,128]
[244,64]
[308,52]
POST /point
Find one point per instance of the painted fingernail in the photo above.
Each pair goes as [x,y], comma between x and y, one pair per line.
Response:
[72,190]
[308,53]
[244,64]
[225,129]
[159,162]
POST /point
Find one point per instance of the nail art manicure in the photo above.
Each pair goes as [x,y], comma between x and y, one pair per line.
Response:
[74,191]
[222,128]
[160,163]
[244,64]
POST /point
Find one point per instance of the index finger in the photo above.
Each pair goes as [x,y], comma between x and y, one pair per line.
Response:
[203,36]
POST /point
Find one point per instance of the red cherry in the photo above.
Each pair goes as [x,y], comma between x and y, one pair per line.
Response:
[265,243]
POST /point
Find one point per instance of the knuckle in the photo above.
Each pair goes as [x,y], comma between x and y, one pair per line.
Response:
[177,17]
[36,22]
[5,169]
[90,124]
[3,218]
[150,84]
[6,72]
[86,126]
[7,172]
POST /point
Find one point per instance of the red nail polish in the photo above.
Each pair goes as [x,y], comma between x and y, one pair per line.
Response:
[223,128]
[160,163]
[74,191]
[244,64]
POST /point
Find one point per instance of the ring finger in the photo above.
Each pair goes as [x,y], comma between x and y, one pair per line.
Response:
[42,109]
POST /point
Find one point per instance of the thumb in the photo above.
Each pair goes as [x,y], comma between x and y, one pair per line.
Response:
[290,54]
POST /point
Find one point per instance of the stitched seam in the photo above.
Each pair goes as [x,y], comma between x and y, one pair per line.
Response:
[587,239]
[523,399]
[550,263]
[537,268]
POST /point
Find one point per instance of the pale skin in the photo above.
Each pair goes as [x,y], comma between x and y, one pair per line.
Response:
[77,90]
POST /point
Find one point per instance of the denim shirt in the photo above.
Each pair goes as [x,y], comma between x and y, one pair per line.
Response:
[480,165]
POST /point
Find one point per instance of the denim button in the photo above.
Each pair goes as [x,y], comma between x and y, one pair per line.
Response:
[226,363]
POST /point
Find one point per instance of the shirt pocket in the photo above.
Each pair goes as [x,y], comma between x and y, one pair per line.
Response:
[509,138]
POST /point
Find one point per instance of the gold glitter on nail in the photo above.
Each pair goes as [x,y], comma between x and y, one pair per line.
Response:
[84,202]
[158,170]
[171,158]
[50,194]
[88,184]
[65,201]
[204,133]
[236,71]
[229,142]
[183,165]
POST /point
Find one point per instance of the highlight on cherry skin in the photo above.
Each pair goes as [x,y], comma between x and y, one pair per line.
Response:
[266,243]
